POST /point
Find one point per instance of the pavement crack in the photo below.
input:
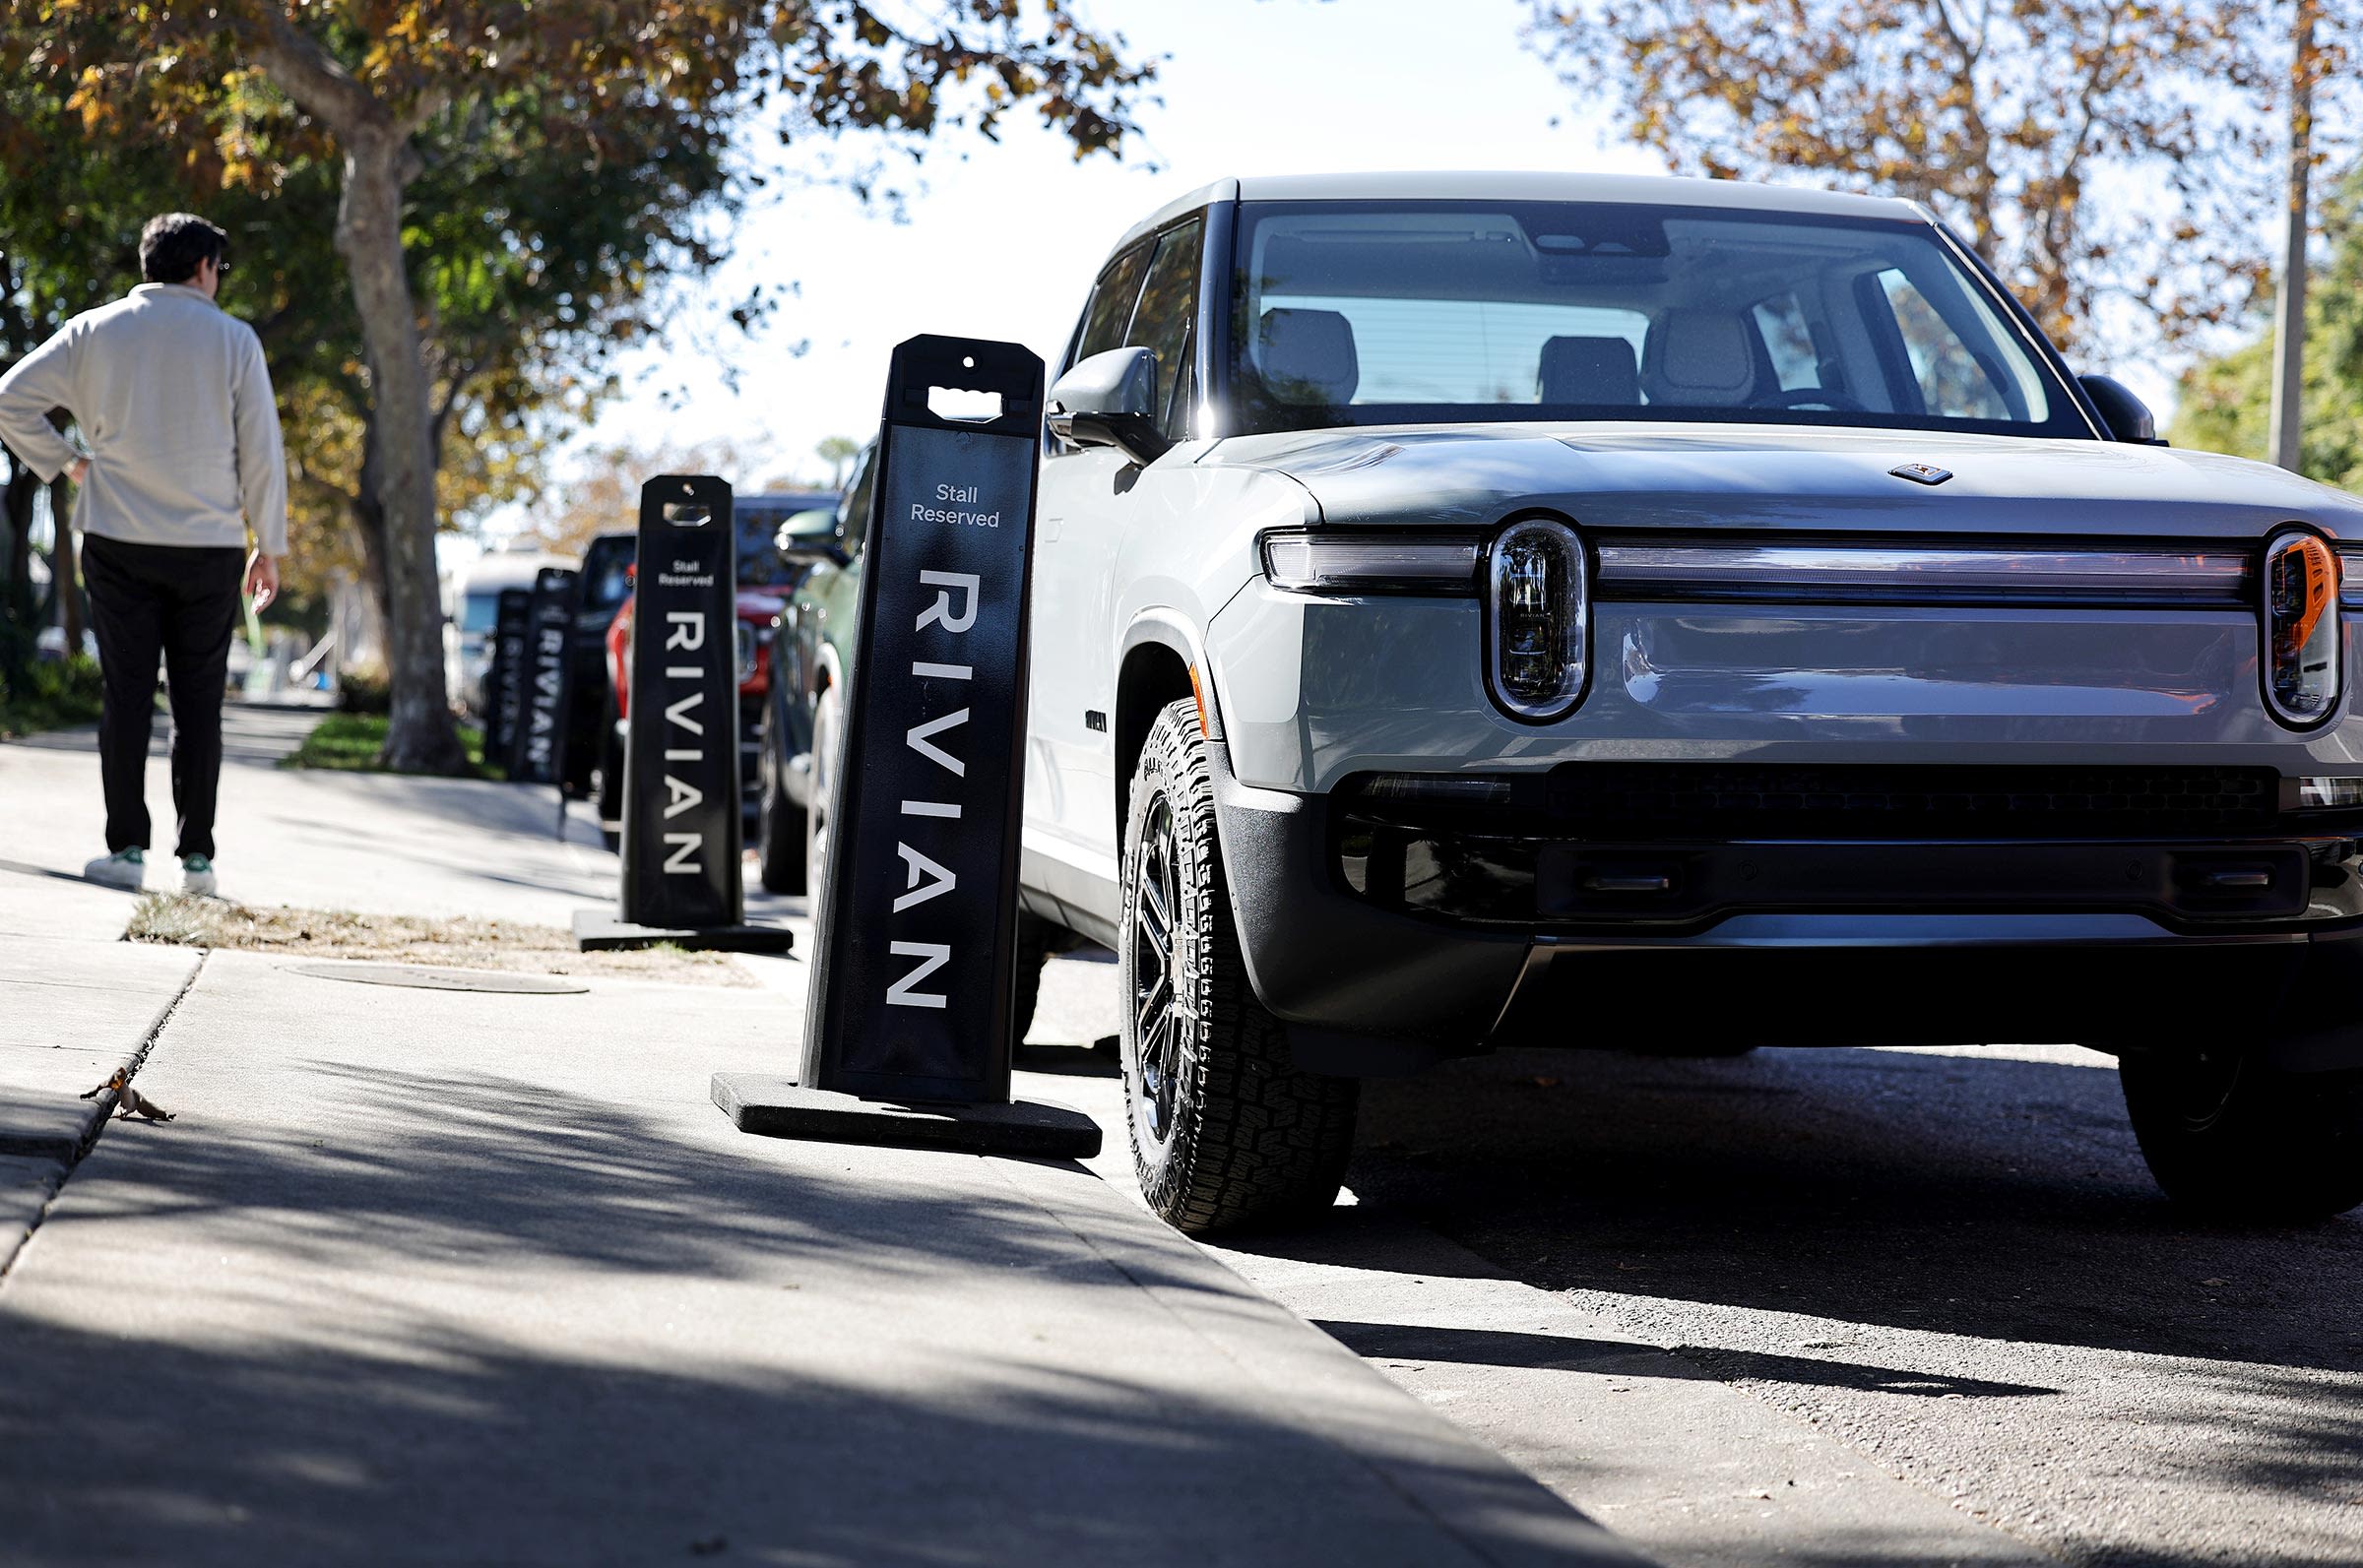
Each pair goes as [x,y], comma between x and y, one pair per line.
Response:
[102,1112]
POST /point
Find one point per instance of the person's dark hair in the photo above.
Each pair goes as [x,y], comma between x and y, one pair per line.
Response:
[173,243]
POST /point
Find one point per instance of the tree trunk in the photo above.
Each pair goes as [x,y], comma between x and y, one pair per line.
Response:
[369,519]
[19,605]
[419,737]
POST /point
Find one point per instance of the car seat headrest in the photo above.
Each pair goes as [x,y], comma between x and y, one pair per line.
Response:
[1307,356]
[1595,370]
[1700,357]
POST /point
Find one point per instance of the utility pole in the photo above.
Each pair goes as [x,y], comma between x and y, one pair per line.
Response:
[2289,301]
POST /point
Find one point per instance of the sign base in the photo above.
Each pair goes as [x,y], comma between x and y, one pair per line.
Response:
[781,1107]
[600,931]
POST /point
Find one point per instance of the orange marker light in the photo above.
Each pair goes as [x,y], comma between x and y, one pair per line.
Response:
[2301,628]
[1198,693]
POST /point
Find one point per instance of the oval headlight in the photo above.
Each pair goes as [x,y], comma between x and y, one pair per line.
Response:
[1537,606]
[2303,647]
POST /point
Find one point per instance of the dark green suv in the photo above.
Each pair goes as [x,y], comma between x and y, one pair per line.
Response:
[812,648]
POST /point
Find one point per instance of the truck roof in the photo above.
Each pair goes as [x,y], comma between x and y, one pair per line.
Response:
[510,568]
[1657,190]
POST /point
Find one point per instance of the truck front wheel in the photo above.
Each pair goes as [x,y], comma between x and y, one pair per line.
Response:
[2227,1136]
[1225,1131]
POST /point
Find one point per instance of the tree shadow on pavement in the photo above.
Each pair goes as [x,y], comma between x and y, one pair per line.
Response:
[453,1447]
[448,1316]
[476,1168]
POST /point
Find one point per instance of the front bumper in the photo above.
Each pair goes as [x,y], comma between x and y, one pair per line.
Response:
[2105,943]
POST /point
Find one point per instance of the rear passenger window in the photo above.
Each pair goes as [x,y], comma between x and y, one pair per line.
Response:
[1788,343]
[1953,384]
[1168,304]
[1110,314]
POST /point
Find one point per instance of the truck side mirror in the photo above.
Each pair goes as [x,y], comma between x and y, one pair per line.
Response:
[2127,416]
[809,538]
[1111,401]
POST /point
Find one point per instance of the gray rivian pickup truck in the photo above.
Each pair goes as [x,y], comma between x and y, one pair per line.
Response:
[1682,615]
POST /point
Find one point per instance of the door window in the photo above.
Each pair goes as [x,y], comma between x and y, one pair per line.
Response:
[1169,303]
[1110,314]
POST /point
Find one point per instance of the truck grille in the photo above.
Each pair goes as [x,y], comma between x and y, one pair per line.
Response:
[1721,800]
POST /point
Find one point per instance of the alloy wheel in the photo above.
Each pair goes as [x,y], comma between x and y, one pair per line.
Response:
[1159,1014]
[816,813]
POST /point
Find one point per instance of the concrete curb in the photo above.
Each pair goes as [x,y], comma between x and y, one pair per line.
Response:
[1492,1511]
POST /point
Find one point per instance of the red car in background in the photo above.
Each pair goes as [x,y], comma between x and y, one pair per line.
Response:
[765,581]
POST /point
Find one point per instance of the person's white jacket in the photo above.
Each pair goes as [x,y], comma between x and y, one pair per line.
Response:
[174,400]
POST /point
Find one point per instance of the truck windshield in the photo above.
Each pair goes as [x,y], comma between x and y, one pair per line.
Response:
[1442,312]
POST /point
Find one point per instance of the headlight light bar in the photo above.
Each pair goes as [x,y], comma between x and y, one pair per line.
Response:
[1320,562]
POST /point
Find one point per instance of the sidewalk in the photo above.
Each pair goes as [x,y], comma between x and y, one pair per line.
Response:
[79,1006]
[436,1275]
[371,843]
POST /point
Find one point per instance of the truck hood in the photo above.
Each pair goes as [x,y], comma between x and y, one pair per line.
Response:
[1706,477]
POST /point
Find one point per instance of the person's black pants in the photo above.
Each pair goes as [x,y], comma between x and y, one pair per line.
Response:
[180,603]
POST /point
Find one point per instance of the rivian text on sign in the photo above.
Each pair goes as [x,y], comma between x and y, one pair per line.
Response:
[925,877]
[684,729]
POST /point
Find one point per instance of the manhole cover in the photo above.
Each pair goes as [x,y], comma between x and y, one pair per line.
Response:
[427,980]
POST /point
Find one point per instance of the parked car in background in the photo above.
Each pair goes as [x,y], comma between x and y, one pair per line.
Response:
[811,649]
[475,611]
[590,725]
[765,579]
[1533,609]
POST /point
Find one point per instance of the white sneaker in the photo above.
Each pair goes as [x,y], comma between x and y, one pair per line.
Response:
[197,877]
[125,868]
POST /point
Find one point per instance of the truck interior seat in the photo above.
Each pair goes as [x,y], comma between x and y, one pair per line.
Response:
[1307,355]
[1589,370]
[1698,358]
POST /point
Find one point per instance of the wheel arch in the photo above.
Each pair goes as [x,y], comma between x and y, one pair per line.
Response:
[1154,667]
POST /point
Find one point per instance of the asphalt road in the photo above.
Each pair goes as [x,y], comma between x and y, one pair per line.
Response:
[1917,1278]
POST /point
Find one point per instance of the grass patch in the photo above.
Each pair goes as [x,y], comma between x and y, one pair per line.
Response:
[49,695]
[356,743]
[458,943]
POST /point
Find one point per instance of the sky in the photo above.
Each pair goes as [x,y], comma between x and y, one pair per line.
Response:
[1005,238]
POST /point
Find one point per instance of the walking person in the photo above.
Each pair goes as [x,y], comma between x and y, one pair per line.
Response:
[173,402]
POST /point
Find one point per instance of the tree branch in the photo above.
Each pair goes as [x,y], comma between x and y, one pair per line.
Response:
[314,79]
[440,418]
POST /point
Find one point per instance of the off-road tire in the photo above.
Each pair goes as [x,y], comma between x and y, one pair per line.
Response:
[2232,1139]
[1225,1132]
[779,826]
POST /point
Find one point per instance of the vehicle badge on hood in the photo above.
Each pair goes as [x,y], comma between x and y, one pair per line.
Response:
[1921,473]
